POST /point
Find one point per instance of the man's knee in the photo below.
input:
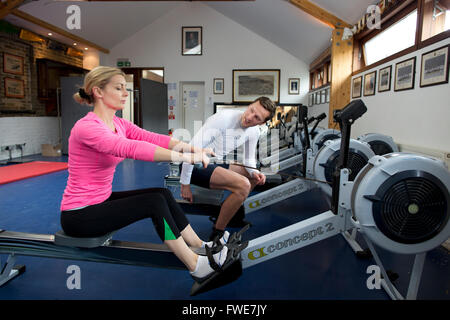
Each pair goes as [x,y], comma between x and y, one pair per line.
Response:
[243,187]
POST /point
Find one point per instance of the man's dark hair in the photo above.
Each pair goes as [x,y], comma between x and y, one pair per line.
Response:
[267,104]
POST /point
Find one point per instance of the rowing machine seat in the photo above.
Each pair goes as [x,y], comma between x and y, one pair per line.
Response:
[63,239]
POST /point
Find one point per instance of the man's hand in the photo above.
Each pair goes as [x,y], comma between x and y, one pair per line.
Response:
[259,177]
[186,192]
[209,152]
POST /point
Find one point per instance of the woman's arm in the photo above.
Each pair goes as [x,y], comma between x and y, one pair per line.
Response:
[181,146]
[166,155]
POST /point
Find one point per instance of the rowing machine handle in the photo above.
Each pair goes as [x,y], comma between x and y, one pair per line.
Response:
[345,117]
[354,110]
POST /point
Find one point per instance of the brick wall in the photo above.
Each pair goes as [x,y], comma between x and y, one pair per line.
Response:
[31,105]
[29,123]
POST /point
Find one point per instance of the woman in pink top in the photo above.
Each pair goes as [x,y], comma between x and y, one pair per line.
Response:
[97,143]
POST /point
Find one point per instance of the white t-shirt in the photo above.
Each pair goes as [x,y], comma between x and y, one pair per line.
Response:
[223,133]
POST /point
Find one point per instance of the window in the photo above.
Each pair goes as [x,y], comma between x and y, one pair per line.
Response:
[436,18]
[397,37]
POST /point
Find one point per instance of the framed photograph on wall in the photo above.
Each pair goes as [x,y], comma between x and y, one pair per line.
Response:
[356,87]
[369,83]
[323,96]
[434,67]
[250,84]
[12,64]
[191,41]
[294,86]
[218,85]
[318,96]
[384,79]
[405,74]
[14,88]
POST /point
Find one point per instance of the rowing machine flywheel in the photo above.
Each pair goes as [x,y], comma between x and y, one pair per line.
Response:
[326,161]
[323,136]
[381,144]
[402,202]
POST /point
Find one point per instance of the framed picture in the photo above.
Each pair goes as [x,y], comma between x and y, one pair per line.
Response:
[369,83]
[317,93]
[405,74]
[14,88]
[251,84]
[434,68]
[218,85]
[356,87]
[12,64]
[294,86]
[384,79]
[191,41]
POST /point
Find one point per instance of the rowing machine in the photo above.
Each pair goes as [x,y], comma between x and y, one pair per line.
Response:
[400,202]
[381,144]
[96,249]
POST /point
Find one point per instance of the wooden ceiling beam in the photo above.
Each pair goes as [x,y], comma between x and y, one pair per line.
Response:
[320,14]
[58,30]
[8,6]
[154,0]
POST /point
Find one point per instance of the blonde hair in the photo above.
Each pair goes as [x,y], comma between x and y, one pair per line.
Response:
[97,77]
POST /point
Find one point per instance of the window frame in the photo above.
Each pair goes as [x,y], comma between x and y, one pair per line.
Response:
[388,18]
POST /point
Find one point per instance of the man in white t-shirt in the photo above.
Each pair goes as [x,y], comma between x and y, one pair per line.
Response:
[224,132]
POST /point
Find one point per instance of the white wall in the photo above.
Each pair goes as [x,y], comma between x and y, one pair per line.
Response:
[226,46]
[418,118]
[33,131]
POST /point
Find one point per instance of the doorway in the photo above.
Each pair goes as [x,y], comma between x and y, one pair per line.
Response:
[133,78]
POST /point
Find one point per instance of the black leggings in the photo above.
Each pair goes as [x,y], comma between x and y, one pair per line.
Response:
[122,209]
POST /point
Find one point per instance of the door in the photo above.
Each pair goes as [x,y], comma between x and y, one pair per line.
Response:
[193,105]
[154,106]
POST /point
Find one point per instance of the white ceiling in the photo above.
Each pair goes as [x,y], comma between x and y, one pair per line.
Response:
[278,21]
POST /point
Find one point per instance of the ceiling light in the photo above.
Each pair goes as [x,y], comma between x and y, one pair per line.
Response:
[86,48]
[74,43]
[50,34]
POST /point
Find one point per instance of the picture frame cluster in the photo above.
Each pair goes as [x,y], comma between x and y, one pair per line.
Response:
[434,70]
[13,65]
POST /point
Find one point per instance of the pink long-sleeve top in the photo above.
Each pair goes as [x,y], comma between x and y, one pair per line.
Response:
[95,151]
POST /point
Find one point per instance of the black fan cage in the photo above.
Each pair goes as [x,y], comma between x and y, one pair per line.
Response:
[356,161]
[380,147]
[411,207]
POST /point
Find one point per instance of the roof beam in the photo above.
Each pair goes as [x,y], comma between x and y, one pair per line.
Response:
[8,6]
[320,14]
[58,30]
[152,0]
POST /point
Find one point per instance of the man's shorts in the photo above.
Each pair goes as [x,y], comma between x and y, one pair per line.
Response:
[202,176]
